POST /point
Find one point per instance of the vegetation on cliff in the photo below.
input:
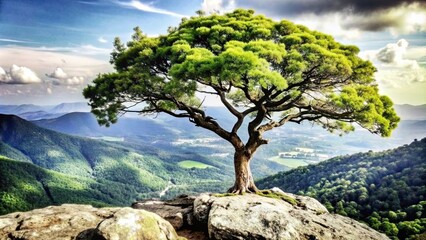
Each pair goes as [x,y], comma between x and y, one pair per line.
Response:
[386,189]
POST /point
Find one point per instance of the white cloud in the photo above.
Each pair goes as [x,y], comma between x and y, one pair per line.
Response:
[14,40]
[74,80]
[395,70]
[3,75]
[18,75]
[62,78]
[148,8]
[394,53]
[212,6]
[330,23]
[43,60]
[102,40]
[58,73]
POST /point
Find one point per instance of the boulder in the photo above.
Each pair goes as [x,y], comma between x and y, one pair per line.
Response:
[177,211]
[252,217]
[83,222]
[202,206]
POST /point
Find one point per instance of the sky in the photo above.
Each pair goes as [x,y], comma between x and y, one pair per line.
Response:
[51,49]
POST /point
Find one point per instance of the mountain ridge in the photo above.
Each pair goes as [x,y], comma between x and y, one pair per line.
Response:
[385,189]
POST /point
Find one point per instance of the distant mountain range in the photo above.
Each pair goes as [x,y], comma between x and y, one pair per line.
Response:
[410,112]
[85,124]
[165,132]
[35,112]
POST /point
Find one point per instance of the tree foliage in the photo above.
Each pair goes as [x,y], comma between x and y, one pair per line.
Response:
[266,72]
[248,60]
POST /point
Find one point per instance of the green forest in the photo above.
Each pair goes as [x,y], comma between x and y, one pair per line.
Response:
[387,190]
[41,167]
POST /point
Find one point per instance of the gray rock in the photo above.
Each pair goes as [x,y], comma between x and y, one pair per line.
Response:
[71,221]
[177,211]
[254,217]
[307,202]
[202,207]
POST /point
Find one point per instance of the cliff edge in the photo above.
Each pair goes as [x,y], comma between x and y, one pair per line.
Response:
[276,215]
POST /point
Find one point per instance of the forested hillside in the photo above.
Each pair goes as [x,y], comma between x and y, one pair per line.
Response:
[104,172]
[385,189]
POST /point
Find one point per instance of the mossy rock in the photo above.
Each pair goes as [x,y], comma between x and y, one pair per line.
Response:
[284,197]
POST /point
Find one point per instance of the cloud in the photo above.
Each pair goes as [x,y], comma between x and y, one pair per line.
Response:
[393,54]
[291,7]
[394,68]
[74,80]
[18,75]
[404,19]
[212,6]
[62,78]
[43,60]
[14,40]
[102,40]
[340,18]
[4,76]
[147,8]
[58,74]
[81,50]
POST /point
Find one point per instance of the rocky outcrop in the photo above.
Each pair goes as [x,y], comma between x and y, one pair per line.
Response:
[256,217]
[252,217]
[278,215]
[177,211]
[83,222]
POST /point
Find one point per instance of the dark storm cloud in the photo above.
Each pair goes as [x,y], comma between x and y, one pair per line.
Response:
[378,23]
[292,7]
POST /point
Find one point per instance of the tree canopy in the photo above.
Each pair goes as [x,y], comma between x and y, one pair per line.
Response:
[265,71]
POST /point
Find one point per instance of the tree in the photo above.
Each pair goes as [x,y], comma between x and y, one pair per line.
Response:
[264,72]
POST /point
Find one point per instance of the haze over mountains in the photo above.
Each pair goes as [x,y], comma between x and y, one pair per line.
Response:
[73,118]
[310,143]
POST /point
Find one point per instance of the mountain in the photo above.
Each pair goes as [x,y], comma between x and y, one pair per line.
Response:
[85,124]
[70,107]
[168,133]
[410,112]
[24,108]
[35,112]
[25,186]
[385,189]
[164,133]
[107,172]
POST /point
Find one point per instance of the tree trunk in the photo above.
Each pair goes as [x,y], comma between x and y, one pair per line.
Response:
[243,177]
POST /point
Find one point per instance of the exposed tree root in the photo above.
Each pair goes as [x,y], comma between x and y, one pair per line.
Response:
[243,189]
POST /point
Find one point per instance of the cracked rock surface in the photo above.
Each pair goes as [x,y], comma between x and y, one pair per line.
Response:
[84,222]
[250,216]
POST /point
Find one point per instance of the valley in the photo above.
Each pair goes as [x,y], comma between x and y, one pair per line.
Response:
[70,158]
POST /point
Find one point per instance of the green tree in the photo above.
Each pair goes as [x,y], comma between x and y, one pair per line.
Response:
[264,72]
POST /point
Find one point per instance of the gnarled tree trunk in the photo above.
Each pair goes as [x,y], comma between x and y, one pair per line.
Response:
[243,178]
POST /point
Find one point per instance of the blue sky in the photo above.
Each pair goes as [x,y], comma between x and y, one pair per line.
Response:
[51,49]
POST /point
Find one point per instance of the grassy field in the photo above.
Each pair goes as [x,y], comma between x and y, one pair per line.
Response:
[289,162]
[193,164]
